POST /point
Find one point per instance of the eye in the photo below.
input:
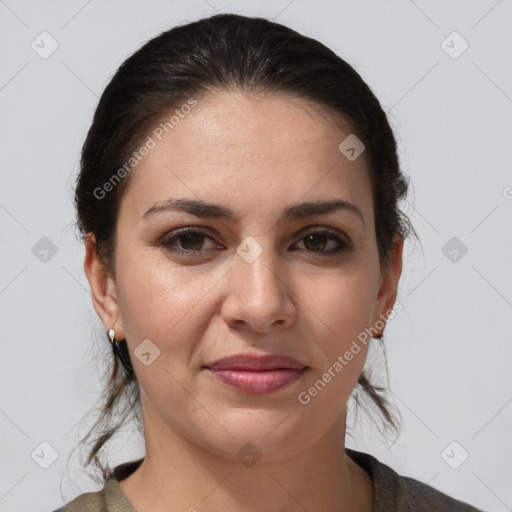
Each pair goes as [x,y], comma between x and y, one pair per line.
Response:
[316,242]
[190,241]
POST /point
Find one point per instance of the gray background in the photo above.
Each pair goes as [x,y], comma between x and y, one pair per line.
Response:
[449,349]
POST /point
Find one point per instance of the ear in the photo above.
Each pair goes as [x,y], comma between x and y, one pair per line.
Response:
[103,290]
[388,285]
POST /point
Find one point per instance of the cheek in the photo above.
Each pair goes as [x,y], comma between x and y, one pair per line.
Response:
[340,349]
[343,301]
[170,306]
[340,312]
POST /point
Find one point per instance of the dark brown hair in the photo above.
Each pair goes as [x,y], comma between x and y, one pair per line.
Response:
[222,52]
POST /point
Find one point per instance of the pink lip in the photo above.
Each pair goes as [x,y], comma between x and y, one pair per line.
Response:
[257,374]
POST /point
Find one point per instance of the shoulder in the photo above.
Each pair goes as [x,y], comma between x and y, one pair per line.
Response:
[87,502]
[108,499]
[403,494]
[411,494]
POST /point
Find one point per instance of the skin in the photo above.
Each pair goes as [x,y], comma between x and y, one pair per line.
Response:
[255,155]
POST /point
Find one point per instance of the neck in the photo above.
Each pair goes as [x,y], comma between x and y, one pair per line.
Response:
[177,472]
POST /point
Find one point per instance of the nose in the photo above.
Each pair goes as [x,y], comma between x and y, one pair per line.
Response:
[258,296]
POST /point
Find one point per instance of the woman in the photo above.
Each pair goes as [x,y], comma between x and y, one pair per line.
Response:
[238,198]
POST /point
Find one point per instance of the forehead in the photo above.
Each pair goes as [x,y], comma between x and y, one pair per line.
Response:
[249,150]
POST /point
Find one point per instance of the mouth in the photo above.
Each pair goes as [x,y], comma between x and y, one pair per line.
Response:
[257,374]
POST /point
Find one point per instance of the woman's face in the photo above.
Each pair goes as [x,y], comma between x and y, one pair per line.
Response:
[281,275]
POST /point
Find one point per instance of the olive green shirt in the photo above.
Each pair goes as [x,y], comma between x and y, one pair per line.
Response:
[392,492]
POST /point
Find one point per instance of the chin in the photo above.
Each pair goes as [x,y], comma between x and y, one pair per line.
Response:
[258,434]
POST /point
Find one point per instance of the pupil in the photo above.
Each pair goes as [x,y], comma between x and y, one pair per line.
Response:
[193,239]
[313,237]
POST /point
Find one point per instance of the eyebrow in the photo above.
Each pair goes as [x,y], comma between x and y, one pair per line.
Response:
[204,209]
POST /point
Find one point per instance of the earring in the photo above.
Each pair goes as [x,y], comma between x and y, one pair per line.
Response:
[120,350]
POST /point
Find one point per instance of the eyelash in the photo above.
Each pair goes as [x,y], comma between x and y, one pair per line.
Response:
[166,242]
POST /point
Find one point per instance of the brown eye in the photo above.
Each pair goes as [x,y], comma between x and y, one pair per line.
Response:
[189,242]
[318,242]
[315,242]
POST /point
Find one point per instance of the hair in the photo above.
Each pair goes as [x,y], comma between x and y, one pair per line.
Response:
[224,52]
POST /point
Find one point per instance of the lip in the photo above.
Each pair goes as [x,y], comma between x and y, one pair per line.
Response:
[257,374]
[256,362]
